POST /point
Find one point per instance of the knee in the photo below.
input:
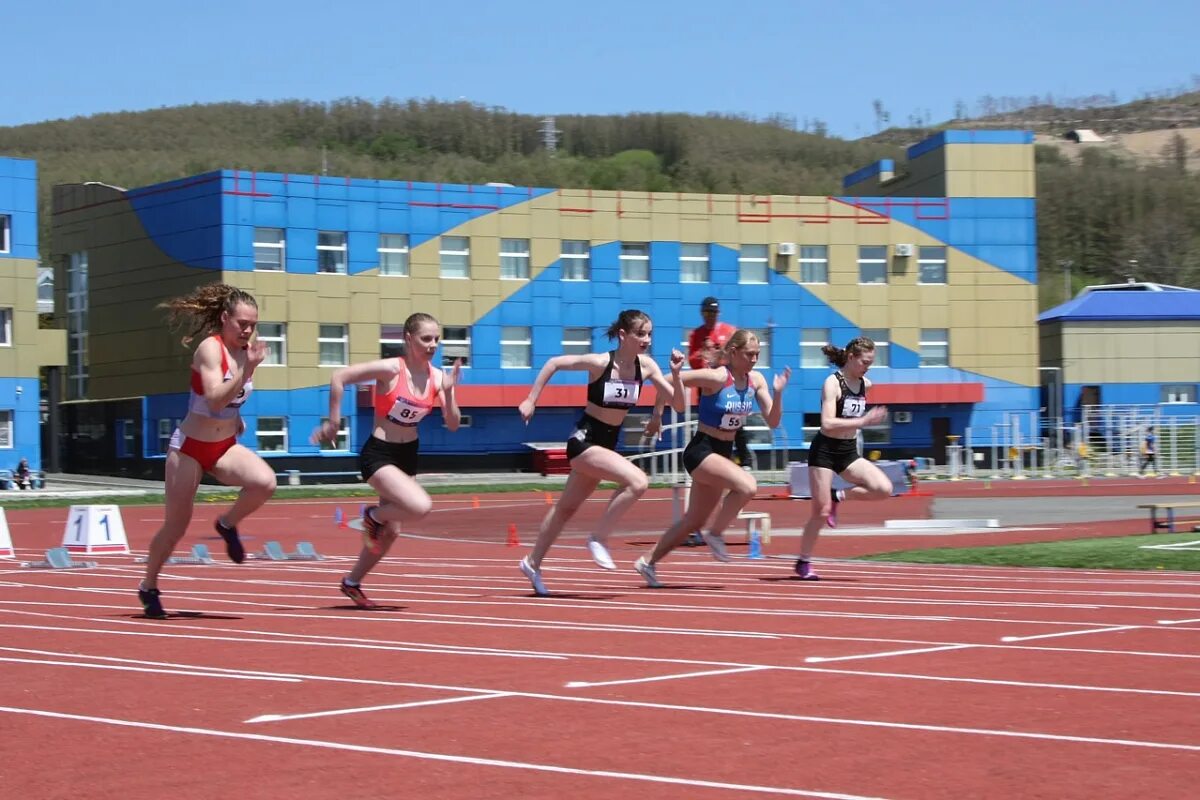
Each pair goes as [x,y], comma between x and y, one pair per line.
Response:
[420,507]
[747,487]
[880,491]
[264,483]
[639,485]
[822,507]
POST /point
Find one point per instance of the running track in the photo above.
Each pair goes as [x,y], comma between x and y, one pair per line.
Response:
[884,680]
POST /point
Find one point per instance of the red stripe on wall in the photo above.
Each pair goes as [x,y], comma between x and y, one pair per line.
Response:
[920,393]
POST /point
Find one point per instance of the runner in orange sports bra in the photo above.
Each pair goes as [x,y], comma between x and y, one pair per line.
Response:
[206,440]
[407,389]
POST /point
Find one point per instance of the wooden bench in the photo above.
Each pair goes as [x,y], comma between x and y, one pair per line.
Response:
[763,519]
[1169,523]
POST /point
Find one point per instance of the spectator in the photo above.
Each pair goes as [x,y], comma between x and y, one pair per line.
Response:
[23,475]
[1149,452]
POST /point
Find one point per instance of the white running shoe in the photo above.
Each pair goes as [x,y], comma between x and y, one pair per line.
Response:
[647,571]
[535,578]
[600,554]
[716,546]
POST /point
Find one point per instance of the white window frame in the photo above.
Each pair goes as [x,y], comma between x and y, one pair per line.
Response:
[1173,393]
[128,437]
[271,341]
[872,261]
[576,341]
[456,343]
[578,262]
[514,259]
[814,263]
[77,325]
[764,347]
[464,421]
[324,338]
[811,342]
[695,268]
[878,434]
[278,244]
[5,233]
[934,338]
[391,336]
[7,415]
[341,442]
[281,435]
[883,346]
[750,263]
[635,262]
[455,247]
[340,253]
[166,427]
[928,258]
[393,247]
[6,326]
[516,346]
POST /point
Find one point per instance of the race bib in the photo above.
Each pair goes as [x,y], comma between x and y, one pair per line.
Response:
[732,422]
[620,393]
[405,412]
[854,407]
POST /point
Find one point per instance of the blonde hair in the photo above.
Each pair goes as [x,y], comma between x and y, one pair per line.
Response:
[200,311]
[740,338]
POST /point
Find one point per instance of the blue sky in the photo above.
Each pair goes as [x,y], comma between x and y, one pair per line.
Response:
[826,60]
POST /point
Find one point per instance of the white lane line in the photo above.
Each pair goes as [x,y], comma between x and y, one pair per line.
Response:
[189,673]
[888,654]
[416,754]
[1075,633]
[365,709]
[1177,621]
[677,676]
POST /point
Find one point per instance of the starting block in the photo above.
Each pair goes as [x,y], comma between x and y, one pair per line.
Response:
[763,520]
[273,551]
[200,555]
[58,558]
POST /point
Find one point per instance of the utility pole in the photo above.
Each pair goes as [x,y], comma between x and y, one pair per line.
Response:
[1066,268]
[550,135]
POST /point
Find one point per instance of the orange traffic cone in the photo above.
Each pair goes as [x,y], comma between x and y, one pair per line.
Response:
[474,502]
[513,541]
[549,499]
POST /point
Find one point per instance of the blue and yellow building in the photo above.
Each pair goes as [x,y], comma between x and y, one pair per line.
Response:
[935,259]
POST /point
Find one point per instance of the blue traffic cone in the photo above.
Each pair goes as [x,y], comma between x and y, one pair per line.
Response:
[340,518]
[755,545]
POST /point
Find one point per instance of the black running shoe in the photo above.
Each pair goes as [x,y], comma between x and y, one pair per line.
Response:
[233,545]
[151,603]
[355,593]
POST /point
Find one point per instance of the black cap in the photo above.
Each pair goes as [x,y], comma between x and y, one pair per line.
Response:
[710,304]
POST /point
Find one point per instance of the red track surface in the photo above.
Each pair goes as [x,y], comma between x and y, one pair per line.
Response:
[883,680]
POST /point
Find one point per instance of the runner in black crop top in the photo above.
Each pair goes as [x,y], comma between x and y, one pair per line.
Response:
[609,392]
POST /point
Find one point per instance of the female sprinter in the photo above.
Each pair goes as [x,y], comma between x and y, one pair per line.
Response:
[406,390]
[727,395]
[614,385]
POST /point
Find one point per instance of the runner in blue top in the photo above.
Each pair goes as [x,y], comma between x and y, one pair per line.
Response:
[727,396]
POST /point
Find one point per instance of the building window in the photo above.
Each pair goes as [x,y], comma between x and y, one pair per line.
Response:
[331,252]
[456,257]
[878,434]
[814,264]
[811,342]
[269,249]
[693,263]
[126,431]
[935,347]
[6,429]
[576,260]
[166,427]
[764,347]
[333,345]
[752,264]
[274,336]
[393,254]
[5,233]
[456,343]
[6,315]
[342,441]
[576,341]
[872,264]
[516,346]
[883,348]
[1178,393]
[931,263]
[635,261]
[272,435]
[77,325]
[464,421]
[45,293]
[391,341]
[514,259]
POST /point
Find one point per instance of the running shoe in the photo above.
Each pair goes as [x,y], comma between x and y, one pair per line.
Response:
[600,554]
[716,546]
[355,593]
[233,545]
[805,571]
[694,539]
[535,578]
[648,573]
[371,528]
[151,600]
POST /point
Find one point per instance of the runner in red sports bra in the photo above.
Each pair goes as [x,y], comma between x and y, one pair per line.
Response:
[407,390]
[206,440]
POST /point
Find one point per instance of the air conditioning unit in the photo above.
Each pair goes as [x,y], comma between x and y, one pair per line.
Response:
[787,248]
[901,417]
[904,250]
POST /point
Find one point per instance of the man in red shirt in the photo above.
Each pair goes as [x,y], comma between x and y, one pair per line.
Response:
[706,341]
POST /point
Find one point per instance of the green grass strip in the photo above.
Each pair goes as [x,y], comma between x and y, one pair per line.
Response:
[1123,552]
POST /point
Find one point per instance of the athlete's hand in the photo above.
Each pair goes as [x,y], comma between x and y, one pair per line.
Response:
[326,433]
[526,409]
[653,428]
[781,378]
[255,354]
[455,376]
[677,361]
[876,415]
